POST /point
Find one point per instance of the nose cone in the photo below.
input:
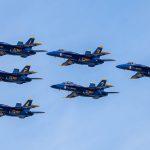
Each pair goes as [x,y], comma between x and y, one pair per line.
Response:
[53,53]
[57,86]
[120,66]
[49,53]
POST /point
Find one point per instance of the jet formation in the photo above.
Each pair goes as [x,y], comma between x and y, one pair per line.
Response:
[90,59]
[17,76]
[20,49]
[19,110]
[142,70]
[91,91]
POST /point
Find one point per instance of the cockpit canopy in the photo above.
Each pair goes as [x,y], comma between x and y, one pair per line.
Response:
[61,50]
[131,63]
[68,82]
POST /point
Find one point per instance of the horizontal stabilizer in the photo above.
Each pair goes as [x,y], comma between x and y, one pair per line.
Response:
[112,92]
[36,78]
[38,112]
[108,60]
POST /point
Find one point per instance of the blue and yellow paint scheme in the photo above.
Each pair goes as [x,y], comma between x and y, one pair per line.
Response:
[17,76]
[78,90]
[142,70]
[90,59]
[19,110]
[20,49]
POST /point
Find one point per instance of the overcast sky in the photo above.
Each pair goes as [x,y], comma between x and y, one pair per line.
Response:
[117,122]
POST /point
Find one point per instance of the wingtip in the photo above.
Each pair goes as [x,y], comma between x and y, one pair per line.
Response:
[61,65]
[66,97]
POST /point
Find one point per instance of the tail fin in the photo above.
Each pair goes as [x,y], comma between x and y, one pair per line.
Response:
[92,85]
[16,70]
[18,104]
[20,43]
[28,103]
[102,83]
[26,69]
[98,50]
[30,41]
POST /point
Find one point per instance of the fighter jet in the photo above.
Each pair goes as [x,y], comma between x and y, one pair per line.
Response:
[91,91]
[20,49]
[142,70]
[90,59]
[17,76]
[19,110]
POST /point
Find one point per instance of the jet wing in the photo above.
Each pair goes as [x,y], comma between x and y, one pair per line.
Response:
[137,75]
[72,95]
[68,62]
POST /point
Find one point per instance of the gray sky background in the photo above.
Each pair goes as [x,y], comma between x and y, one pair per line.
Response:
[116,122]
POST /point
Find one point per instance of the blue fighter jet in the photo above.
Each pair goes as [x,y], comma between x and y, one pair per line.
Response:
[142,70]
[21,49]
[90,59]
[91,91]
[19,110]
[17,76]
